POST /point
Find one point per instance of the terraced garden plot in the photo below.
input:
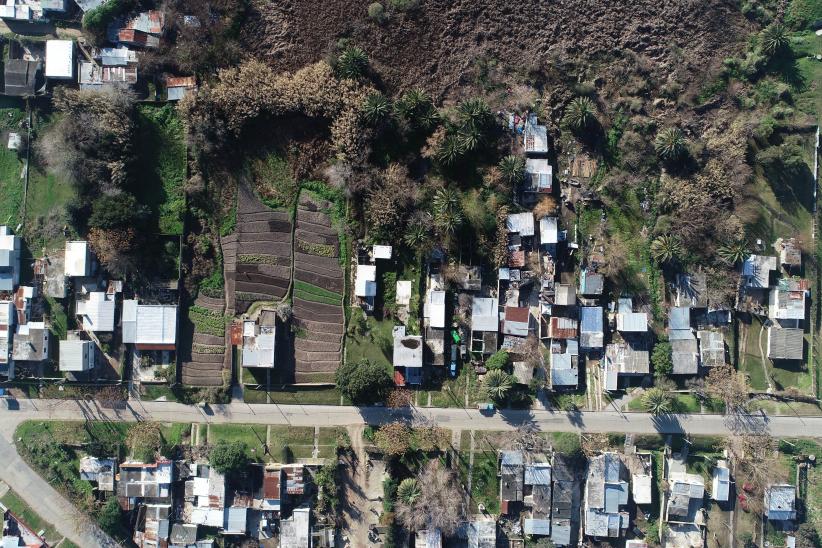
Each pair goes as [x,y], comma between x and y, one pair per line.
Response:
[258,262]
[207,355]
[318,318]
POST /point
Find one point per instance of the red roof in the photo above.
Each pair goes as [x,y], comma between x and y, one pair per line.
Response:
[516,259]
[236,332]
[516,314]
[180,82]
[154,346]
[271,484]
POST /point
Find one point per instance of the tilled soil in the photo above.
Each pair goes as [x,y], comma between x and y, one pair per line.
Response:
[436,45]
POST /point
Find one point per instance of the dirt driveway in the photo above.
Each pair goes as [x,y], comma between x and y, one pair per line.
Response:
[361,496]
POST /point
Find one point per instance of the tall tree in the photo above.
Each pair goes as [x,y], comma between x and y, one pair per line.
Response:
[363,381]
[440,503]
[498,384]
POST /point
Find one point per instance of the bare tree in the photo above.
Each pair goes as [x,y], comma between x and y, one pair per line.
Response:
[440,503]
[729,385]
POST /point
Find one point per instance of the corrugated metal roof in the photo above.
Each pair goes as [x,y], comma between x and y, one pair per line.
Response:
[485,314]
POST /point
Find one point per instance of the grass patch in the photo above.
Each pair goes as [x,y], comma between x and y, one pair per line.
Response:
[306,395]
[323,250]
[273,181]
[11,187]
[57,316]
[315,290]
[369,339]
[161,161]
[156,391]
[311,297]
[207,321]
[252,435]
[485,483]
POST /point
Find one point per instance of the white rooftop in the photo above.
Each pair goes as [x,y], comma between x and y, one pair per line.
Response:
[60,59]
[77,259]
[76,355]
[97,312]
[149,324]
[365,284]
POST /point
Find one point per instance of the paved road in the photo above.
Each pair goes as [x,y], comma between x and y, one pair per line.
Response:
[458,419]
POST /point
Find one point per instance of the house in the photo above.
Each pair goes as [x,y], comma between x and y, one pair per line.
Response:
[683,535]
[259,345]
[564,501]
[679,323]
[780,502]
[685,357]
[516,321]
[31,343]
[434,350]
[686,493]
[77,355]
[785,343]
[564,295]
[548,231]
[183,534]
[77,259]
[434,308]
[18,12]
[205,494]
[7,317]
[786,301]
[692,290]
[178,87]
[521,224]
[711,348]
[295,531]
[428,538]
[756,271]
[365,286]
[512,479]
[99,471]
[404,291]
[562,328]
[137,481]
[606,494]
[628,321]
[468,278]
[591,283]
[138,38]
[535,137]
[9,259]
[96,311]
[484,324]
[152,524]
[60,59]
[564,364]
[269,495]
[408,358]
[17,532]
[539,176]
[625,360]
[790,255]
[149,326]
[479,531]
[591,334]
[537,499]
[721,482]
[95,77]
[22,77]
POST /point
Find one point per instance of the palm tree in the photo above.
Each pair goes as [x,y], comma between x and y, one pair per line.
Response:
[376,108]
[665,249]
[670,144]
[497,384]
[774,39]
[512,169]
[417,236]
[352,63]
[445,199]
[450,151]
[580,113]
[474,114]
[657,401]
[408,491]
[734,252]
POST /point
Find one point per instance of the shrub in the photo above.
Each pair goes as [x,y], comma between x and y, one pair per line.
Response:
[364,381]
[376,108]
[117,211]
[670,144]
[497,360]
[110,517]
[96,21]
[579,114]
[228,457]
[661,358]
[376,11]
[352,63]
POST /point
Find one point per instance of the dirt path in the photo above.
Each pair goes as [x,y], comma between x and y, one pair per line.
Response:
[763,358]
[361,496]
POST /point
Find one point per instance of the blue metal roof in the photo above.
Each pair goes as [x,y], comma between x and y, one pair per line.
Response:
[590,319]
